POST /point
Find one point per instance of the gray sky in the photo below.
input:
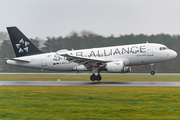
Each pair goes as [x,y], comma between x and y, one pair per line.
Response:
[43,18]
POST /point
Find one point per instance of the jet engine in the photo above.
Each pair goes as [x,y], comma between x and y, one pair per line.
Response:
[117,67]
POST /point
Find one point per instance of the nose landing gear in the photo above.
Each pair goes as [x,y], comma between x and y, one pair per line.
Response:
[152,69]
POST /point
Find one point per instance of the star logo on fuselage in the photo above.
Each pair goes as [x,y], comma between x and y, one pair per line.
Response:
[22,46]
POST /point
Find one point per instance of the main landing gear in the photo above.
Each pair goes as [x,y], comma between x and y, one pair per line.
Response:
[94,77]
[152,69]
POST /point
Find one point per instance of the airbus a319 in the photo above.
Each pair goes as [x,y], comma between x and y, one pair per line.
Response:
[115,59]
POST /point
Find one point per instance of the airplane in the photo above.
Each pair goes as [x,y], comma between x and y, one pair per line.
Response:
[114,59]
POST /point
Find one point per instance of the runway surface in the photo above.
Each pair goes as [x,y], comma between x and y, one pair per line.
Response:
[89,83]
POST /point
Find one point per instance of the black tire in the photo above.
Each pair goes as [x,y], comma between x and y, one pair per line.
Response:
[93,77]
[152,73]
[98,78]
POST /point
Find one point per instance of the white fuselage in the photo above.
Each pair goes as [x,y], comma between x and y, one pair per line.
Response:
[135,54]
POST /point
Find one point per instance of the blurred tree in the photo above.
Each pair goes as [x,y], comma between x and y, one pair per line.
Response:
[4,36]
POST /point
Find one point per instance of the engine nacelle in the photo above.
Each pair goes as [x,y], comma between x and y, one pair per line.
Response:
[117,67]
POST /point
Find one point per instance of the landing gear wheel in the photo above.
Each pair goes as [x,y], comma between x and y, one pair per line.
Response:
[98,77]
[93,77]
[152,73]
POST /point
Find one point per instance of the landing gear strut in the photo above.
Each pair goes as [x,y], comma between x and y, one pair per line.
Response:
[152,69]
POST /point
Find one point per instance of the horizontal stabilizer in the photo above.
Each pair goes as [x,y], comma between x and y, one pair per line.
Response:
[21,60]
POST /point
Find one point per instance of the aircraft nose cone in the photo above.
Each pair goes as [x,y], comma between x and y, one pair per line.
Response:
[174,54]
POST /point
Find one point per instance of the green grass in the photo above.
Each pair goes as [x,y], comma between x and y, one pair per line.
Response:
[89,103]
[85,77]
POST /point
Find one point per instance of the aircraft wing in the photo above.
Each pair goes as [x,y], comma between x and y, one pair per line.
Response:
[87,62]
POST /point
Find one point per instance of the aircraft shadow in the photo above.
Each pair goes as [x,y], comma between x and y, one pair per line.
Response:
[98,82]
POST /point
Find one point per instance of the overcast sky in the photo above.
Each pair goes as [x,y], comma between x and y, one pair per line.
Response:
[43,18]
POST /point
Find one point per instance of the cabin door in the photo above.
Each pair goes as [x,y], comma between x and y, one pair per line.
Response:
[149,50]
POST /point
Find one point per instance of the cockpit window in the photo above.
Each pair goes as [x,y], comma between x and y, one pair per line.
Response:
[163,48]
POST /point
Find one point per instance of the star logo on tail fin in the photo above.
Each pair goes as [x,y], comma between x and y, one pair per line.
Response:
[22,46]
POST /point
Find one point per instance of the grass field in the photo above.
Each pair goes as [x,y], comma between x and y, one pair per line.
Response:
[89,103]
[85,77]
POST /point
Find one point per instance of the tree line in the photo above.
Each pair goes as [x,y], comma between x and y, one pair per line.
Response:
[90,40]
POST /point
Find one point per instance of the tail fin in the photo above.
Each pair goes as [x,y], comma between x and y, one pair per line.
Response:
[21,44]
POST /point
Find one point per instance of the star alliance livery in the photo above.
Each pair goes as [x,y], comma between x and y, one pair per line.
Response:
[115,59]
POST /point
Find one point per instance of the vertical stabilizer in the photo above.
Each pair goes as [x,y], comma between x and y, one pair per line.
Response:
[21,44]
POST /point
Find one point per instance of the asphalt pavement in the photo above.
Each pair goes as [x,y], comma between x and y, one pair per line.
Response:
[90,83]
